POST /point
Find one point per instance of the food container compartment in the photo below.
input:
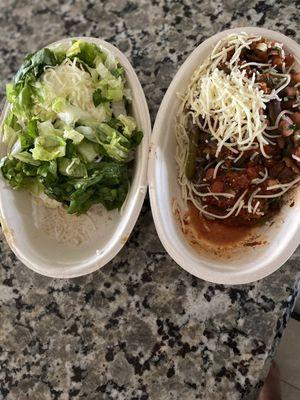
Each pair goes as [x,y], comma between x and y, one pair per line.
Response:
[268,246]
[50,257]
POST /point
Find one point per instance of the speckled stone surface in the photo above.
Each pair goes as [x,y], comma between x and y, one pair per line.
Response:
[141,327]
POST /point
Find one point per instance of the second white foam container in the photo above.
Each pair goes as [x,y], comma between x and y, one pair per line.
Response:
[250,264]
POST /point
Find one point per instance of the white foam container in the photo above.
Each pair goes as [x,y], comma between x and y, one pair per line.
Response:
[248,264]
[49,257]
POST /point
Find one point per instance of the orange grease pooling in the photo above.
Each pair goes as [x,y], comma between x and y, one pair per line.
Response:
[214,231]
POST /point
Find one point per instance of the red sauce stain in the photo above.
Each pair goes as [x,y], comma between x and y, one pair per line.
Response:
[215,231]
[255,243]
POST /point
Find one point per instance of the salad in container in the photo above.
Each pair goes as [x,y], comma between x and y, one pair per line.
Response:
[72,164]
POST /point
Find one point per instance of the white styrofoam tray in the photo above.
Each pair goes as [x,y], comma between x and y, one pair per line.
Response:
[48,256]
[249,264]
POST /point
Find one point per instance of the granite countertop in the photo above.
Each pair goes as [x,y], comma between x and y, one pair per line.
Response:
[141,327]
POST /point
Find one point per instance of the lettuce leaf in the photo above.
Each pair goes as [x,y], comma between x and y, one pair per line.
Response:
[87,52]
[73,135]
[59,104]
[46,128]
[16,148]
[26,157]
[129,125]
[72,167]
[118,107]
[118,71]
[48,170]
[110,86]
[106,183]
[98,98]
[88,151]
[114,143]
[18,173]
[72,115]
[27,138]
[60,51]
[87,132]
[20,92]
[10,137]
[48,148]
[20,98]
[35,64]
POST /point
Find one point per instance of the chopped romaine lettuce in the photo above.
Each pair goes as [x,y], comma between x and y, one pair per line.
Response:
[88,150]
[48,148]
[18,173]
[73,135]
[87,132]
[70,115]
[129,125]
[98,98]
[72,167]
[67,134]
[111,87]
[87,52]
[26,157]
[118,71]
[46,128]
[115,144]
[10,137]
[16,148]
[20,98]
[60,51]
[118,107]
[35,64]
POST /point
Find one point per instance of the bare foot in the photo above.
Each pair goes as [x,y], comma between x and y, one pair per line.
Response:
[271,388]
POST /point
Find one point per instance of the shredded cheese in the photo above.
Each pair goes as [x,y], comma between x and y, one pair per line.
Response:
[280,115]
[231,210]
[239,207]
[253,64]
[216,168]
[250,200]
[70,81]
[255,208]
[258,181]
[285,188]
[296,158]
[235,103]
[254,155]
[238,157]
[201,194]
